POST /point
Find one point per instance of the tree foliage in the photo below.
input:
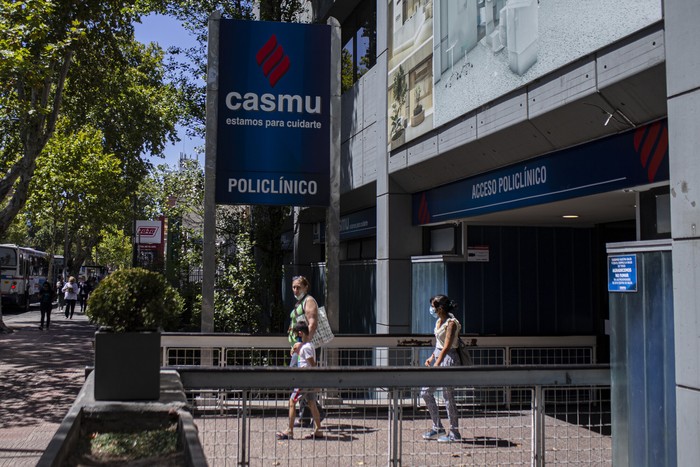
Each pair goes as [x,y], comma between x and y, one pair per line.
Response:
[346,71]
[81,103]
[174,192]
[236,298]
[76,66]
[76,193]
[178,195]
[76,89]
[114,250]
[130,101]
[40,42]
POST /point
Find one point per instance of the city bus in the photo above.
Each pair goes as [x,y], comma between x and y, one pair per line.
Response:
[93,271]
[22,272]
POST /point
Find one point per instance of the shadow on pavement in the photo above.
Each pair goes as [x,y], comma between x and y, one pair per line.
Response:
[41,372]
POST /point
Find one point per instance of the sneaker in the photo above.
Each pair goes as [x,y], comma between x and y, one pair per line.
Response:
[433,433]
[453,437]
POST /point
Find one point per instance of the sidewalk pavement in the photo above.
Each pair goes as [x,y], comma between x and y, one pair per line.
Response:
[41,373]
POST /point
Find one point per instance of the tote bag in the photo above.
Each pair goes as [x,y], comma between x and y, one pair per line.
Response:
[323,333]
[465,359]
[323,329]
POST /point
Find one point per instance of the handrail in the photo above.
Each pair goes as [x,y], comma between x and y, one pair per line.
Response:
[230,378]
[350,341]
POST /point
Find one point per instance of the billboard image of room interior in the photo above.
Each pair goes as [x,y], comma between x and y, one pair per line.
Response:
[410,88]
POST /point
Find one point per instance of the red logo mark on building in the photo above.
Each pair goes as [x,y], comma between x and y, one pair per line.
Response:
[651,143]
[147,231]
[273,60]
[423,210]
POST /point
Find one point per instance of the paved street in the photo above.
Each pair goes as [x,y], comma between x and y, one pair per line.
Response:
[41,373]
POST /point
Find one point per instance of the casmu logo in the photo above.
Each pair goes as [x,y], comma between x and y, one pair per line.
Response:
[273,60]
[271,103]
[274,65]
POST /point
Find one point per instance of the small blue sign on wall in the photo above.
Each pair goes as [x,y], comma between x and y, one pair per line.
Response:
[622,273]
[273,124]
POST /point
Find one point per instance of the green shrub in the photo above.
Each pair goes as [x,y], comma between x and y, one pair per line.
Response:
[133,300]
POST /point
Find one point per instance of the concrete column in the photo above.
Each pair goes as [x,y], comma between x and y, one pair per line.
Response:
[683,85]
[397,240]
[333,212]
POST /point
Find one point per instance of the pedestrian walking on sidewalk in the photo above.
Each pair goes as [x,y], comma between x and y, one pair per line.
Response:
[445,354]
[85,289]
[59,292]
[70,291]
[45,304]
[307,358]
[306,310]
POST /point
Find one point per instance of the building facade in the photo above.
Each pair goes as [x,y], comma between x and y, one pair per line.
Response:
[493,150]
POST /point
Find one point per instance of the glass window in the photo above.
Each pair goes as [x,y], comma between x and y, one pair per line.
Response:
[40,266]
[358,249]
[359,52]
[8,258]
[442,239]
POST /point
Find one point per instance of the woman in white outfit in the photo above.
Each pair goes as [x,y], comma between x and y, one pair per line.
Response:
[445,354]
[70,295]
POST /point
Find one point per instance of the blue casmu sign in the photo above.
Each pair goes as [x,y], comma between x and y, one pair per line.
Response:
[273,126]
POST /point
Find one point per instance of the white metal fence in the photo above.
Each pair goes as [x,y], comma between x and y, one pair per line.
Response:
[374,416]
[510,414]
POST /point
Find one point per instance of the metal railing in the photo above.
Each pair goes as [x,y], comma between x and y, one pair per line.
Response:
[375,416]
[500,418]
[372,350]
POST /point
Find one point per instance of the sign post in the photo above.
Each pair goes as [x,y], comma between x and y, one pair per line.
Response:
[209,241]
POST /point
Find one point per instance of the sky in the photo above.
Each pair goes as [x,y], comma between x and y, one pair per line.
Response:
[167,32]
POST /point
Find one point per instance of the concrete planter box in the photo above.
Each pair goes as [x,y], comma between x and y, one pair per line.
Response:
[127,365]
[88,415]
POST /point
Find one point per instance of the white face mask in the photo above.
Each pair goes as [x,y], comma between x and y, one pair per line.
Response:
[433,313]
[300,296]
